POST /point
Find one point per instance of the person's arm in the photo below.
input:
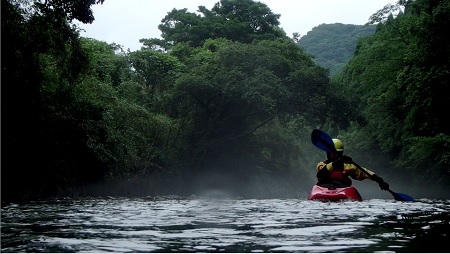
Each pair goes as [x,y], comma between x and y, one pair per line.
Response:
[323,169]
[357,174]
[360,175]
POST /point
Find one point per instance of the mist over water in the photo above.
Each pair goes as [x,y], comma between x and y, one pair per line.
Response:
[214,224]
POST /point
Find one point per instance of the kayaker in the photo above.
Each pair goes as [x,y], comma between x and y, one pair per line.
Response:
[337,169]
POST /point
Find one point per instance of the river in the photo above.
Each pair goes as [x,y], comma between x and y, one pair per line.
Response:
[225,225]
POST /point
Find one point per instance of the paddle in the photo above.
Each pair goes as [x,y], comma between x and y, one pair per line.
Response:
[324,142]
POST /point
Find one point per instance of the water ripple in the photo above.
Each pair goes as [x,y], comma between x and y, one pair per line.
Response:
[252,225]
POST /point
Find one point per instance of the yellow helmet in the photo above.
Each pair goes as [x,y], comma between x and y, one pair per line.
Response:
[338,145]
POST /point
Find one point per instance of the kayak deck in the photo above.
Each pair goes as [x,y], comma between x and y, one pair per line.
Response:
[334,194]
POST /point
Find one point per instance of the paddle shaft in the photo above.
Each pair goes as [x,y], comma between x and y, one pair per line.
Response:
[367,173]
[397,196]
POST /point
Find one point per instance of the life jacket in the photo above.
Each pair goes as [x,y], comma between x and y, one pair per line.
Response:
[335,175]
[338,175]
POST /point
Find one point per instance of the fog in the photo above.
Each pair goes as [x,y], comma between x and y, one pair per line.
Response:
[214,183]
[247,181]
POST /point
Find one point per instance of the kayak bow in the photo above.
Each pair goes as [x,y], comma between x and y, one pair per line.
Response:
[334,194]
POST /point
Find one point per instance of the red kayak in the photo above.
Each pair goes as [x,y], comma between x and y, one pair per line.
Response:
[334,194]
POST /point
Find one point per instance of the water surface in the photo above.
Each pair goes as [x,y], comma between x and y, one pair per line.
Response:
[212,225]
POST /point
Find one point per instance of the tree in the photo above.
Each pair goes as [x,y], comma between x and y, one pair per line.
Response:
[41,62]
[242,21]
[237,89]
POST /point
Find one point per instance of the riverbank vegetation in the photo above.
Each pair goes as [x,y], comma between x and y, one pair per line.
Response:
[224,99]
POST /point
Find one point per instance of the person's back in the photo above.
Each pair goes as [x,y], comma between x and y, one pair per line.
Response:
[337,170]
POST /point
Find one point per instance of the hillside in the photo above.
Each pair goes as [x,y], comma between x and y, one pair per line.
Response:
[332,45]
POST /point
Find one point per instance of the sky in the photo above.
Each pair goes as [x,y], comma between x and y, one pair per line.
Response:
[125,22]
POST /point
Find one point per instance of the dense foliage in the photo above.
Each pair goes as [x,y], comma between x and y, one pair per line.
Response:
[42,111]
[400,77]
[223,100]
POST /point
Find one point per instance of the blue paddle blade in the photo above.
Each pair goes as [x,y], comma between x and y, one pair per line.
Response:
[401,197]
[322,141]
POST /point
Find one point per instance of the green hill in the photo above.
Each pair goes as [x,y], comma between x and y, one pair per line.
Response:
[332,45]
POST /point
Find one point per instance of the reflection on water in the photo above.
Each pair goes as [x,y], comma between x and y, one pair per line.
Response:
[253,225]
